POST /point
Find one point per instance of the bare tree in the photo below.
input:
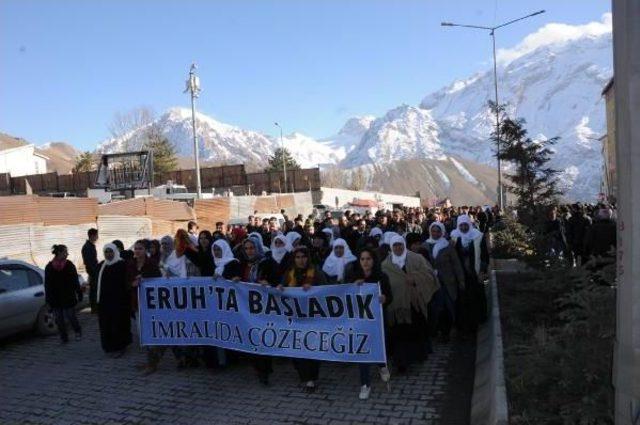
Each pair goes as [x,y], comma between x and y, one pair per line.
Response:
[333,176]
[358,179]
[125,123]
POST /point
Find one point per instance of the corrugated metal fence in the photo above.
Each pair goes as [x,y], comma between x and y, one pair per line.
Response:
[32,242]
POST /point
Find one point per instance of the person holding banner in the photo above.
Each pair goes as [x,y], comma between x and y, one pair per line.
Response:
[304,274]
[226,265]
[202,258]
[339,260]
[367,269]
[140,267]
[114,303]
[412,284]
[257,268]
[280,253]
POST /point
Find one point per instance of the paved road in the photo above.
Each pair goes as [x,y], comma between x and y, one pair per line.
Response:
[43,382]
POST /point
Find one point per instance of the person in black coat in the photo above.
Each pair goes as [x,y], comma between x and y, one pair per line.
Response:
[257,268]
[90,260]
[203,258]
[600,238]
[280,254]
[114,303]
[62,291]
[367,269]
[577,227]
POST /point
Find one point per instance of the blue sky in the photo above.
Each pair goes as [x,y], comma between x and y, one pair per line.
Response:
[68,66]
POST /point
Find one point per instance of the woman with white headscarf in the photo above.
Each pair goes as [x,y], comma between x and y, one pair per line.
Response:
[472,251]
[293,240]
[443,257]
[413,284]
[227,265]
[335,264]
[114,303]
[280,253]
[385,244]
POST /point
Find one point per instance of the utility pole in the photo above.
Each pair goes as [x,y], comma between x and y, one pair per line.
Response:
[193,87]
[492,33]
[284,158]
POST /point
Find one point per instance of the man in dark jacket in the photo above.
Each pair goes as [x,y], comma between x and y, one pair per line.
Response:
[577,227]
[600,238]
[90,260]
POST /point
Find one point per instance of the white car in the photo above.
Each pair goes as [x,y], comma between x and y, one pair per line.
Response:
[22,299]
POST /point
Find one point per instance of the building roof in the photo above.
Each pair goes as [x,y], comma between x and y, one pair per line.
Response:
[366,203]
[607,87]
[27,146]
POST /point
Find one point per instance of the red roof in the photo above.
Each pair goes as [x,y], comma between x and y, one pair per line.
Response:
[366,203]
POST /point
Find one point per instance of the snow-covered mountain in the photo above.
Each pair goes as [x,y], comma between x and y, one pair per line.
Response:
[223,143]
[349,135]
[406,132]
[552,79]
[555,87]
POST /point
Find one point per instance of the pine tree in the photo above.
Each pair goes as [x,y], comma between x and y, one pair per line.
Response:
[533,182]
[164,152]
[84,162]
[164,156]
[279,157]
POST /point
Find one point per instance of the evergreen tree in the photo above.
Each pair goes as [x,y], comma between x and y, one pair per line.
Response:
[84,162]
[164,152]
[533,182]
[279,157]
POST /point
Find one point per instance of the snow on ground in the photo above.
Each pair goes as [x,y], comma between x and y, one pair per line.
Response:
[463,171]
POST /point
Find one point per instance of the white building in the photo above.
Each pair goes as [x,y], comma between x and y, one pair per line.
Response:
[22,160]
[350,199]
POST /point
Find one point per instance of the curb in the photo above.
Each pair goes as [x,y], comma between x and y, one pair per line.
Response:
[489,399]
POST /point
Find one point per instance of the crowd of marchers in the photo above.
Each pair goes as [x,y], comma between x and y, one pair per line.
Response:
[431,265]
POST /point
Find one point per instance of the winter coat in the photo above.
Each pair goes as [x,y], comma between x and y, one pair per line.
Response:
[448,269]
[600,238]
[61,287]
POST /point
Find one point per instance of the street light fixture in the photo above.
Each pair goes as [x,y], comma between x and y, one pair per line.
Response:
[492,31]
[193,87]
[284,158]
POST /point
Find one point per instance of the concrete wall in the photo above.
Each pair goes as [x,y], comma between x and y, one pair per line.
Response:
[626,52]
[328,195]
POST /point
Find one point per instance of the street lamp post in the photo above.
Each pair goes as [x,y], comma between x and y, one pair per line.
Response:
[193,87]
[492,33]
[284,158]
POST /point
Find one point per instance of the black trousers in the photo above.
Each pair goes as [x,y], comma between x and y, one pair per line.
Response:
[308,370]
[262,365]
[70,315]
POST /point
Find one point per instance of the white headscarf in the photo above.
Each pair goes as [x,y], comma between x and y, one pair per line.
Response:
[468,237]
[278,253]
[398,260]
[259,236]
[292,237]
[334,265]
[330,233]
[175,266]
[227,256]
[376,231]
[105,263]
[387,237]
[441,242]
